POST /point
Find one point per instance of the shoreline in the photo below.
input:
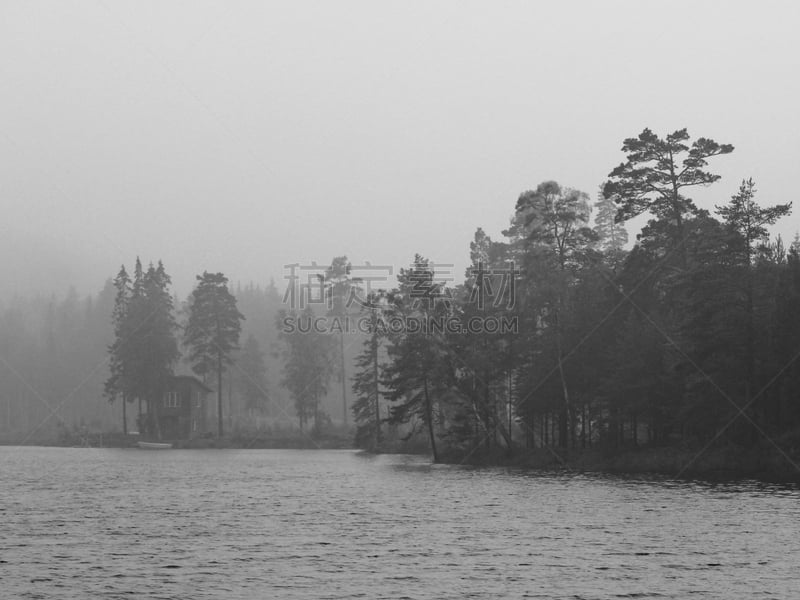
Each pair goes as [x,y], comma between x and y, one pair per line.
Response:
[680,463]
[686,462]
[235,442]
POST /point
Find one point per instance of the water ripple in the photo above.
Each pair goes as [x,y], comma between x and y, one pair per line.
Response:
[88,523]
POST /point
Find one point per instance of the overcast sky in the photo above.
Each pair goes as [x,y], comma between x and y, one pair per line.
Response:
[240,137]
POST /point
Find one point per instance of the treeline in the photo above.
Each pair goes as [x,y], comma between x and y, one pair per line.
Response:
[561,337]
[55,363]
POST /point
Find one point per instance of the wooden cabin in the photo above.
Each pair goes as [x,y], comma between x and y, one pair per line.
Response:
[183,413]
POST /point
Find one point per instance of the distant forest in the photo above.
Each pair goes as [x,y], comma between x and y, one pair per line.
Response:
[561,335]
[54,365]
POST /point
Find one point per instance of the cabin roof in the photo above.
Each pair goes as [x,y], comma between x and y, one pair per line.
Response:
[194,380]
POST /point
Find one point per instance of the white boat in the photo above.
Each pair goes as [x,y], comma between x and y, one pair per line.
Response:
[154,445]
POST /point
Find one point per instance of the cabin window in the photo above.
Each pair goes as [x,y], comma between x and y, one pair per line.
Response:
[172,400]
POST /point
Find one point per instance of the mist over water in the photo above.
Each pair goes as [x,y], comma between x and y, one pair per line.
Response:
[522,231]
[89,523]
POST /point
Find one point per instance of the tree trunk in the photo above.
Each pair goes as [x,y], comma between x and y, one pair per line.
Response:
[750,351]
[375,374]
[589,428]
[344,379]
[124,416]
[487,414]
[510,412]
[583,427]
[231,412]
[573,433]
[219,394]
[504,433]
[563,425]
[429,418]
[545,430]
[157,422]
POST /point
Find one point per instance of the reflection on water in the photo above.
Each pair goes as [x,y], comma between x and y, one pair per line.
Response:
[93,523]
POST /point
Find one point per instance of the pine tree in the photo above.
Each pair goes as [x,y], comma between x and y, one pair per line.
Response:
[653,178]
[117,385]
[749,222]
[338,289]
[744,216]
[145,348]
[366,381]
[307,364]
[485,357]
[419,373]
[213,329]
[556,246]
[612,236]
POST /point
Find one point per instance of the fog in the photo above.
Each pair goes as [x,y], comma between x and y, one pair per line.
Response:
[636,403]
[242,137]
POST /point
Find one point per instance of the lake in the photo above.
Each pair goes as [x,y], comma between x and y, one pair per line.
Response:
[128,523]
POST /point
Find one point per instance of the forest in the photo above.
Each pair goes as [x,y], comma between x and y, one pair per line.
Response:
[57,364]
[690,336]
[563,335]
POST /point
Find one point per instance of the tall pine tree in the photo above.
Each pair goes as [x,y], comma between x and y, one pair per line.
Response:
[212,332]
[117,385]
[366,380]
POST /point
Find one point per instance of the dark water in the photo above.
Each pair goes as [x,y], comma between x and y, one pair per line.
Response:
[93,523]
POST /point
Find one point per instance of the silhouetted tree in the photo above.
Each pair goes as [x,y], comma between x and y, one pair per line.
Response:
[484,350]
[339,288]
[150,348]
[556,245]
[749,222]
[212,332]
[419,373]
[366,380]
[656,173]
[117,384]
